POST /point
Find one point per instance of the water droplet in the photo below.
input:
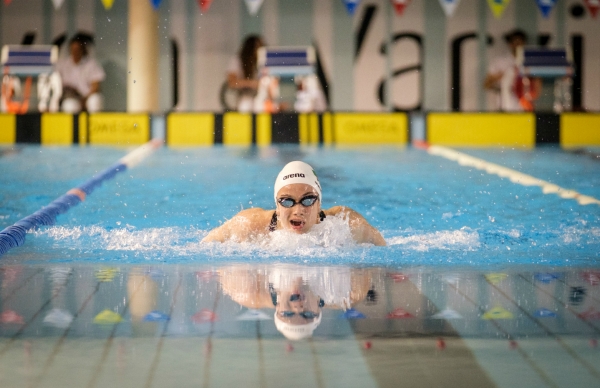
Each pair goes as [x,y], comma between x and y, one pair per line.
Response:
[133,81]
[108,19]
[135,125]
[129,72]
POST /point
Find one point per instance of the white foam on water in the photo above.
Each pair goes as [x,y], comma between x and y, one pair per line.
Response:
[574,235]
[324,239]
[463,239]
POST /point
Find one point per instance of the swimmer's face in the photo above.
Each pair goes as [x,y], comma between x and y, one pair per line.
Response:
[297,305]
[298,218]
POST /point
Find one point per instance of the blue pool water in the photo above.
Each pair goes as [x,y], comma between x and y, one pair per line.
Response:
[484,282]
[430,210]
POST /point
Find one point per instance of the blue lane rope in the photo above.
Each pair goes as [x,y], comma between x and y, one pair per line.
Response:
[14,235]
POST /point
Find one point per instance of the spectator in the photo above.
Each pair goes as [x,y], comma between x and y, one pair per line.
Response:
[514,92]
[81,76]
[242,73]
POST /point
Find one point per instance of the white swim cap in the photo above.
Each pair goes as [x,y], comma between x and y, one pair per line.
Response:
[297,172]
[297,332]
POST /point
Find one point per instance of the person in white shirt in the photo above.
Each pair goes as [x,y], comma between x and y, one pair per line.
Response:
[503,77]
[81,77]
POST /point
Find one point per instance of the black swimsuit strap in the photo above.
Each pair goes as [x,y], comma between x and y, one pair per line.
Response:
[273,223]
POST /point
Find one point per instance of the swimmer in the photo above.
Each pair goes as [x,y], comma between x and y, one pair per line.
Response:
[298,209]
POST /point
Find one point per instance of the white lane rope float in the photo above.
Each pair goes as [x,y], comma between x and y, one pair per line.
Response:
[14,235]
[513,175]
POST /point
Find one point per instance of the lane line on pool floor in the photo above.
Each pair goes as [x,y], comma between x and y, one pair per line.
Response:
[564,304]
[559,340]
[505,172]
[541,373]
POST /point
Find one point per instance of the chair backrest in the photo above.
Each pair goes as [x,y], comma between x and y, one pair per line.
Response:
[286,61]
[543,62]
[28,60]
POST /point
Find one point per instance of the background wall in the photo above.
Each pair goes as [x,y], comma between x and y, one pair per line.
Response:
[206,43]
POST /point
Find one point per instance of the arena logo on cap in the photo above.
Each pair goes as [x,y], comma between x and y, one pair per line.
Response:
[297,175]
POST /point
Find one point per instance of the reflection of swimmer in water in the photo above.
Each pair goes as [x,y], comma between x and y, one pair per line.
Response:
[298,209]
[298,294]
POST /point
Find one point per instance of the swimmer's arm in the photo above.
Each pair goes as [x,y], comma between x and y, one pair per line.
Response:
[241,227]
[361,230]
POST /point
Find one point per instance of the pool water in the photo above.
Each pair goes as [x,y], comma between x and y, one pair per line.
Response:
[430,210]
[484,282]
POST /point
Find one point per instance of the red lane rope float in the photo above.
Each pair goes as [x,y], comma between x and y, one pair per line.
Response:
[14,235]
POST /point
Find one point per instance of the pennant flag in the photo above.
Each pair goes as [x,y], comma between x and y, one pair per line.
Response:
[57,3]
[447,314]
[496,278]
[398,277]
[545,6]
[351,6]
[107,317]
[106,274]
[498,313]
[593,6]
[253,6]
[155,3]
[11,316]
[498,7]
[204,316]
[449,6]
[544,313]
[546,277]
[399,6]
[399,314]
[352,314]
[9,274]
[58,318]
[204,5]
[107,3]
[590,313]
[156,316]
[591,277]
[205,276]
[253,315]
[451,278]
[155,273]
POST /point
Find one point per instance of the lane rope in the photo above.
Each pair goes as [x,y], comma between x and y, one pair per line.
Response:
[14,235]
[505,172]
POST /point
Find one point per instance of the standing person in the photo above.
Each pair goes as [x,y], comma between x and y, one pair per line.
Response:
[242,73]
[514,93]
[81,76]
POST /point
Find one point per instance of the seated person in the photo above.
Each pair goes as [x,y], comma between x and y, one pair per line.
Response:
[81,76]
[242,73]
[298,209]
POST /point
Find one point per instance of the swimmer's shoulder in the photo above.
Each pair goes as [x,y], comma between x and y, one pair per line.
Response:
[245,225]
[340,210]
[361,230]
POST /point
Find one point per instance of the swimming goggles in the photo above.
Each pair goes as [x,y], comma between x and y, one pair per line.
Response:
[303,314]
[307,201]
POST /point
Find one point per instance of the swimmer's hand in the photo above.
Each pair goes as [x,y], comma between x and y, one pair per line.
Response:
[362,231]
